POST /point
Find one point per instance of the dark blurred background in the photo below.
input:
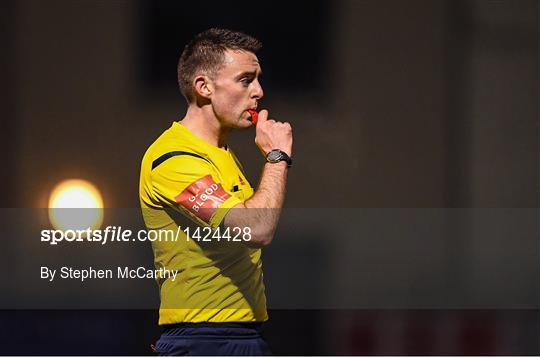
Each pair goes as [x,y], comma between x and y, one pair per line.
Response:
[394,104]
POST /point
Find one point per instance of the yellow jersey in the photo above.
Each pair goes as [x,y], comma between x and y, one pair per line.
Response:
[187,183]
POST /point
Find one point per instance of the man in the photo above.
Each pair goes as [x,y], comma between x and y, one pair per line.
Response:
[216,303]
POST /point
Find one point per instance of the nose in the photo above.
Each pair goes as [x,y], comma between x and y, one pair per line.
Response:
[258,92]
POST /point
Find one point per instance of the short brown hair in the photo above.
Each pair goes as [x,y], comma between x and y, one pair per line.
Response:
[205,53]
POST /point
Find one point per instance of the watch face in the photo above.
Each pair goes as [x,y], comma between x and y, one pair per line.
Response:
[274,156]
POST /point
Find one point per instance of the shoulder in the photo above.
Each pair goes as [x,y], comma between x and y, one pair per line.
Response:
[173,146]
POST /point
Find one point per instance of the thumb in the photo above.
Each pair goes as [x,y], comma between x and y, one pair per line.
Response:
[263,116]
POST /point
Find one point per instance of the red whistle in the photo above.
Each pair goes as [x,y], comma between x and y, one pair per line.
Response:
[254,116]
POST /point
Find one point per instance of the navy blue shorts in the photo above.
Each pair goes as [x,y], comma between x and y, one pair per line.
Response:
[212,339]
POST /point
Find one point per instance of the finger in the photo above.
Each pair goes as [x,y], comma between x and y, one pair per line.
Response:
[263,116]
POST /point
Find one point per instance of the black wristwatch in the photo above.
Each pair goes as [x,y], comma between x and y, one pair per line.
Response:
[276,156]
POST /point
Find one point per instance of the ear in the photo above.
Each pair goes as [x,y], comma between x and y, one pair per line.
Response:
[203,86]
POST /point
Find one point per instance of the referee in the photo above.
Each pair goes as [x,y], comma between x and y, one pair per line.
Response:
[216,304]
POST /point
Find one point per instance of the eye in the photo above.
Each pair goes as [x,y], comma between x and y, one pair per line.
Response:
[246,81]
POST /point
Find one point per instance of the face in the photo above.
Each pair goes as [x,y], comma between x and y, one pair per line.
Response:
[236,89]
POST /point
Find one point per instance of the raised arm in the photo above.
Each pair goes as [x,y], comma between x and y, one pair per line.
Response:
[261,212]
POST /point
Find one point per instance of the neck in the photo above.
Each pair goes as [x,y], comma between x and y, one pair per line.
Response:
[202,122]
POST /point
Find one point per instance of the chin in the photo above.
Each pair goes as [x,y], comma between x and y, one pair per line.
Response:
[243,124]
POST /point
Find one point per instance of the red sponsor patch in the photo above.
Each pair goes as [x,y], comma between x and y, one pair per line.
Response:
[203,197]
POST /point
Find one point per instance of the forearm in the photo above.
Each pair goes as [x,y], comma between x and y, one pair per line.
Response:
[271,191]
[261,212]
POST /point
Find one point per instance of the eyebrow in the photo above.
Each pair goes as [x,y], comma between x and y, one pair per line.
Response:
[249,73]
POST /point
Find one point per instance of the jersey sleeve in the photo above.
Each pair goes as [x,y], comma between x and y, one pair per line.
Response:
[192,185]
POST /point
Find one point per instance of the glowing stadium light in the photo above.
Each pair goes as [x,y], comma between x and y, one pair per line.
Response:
[79,194]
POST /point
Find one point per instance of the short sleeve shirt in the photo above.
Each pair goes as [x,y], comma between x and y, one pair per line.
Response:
[186,181]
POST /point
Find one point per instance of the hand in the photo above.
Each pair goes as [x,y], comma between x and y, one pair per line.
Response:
[273,135]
